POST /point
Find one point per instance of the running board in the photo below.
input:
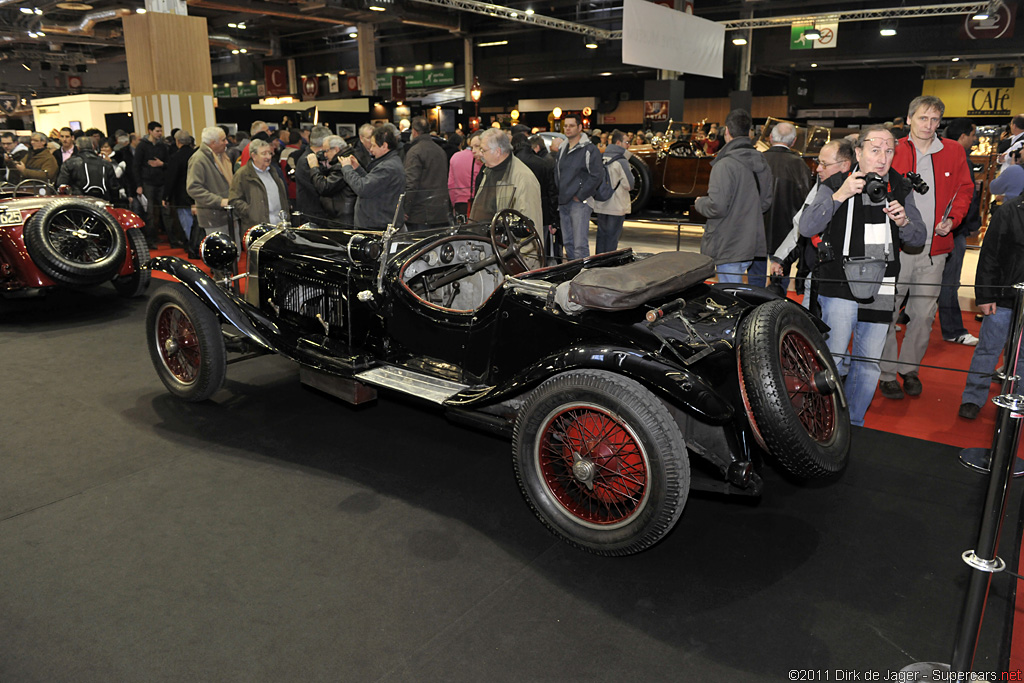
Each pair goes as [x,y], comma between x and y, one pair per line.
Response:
[428,387]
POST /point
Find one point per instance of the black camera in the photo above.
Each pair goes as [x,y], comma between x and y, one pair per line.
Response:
[875,187]
[919,185]
[825,253]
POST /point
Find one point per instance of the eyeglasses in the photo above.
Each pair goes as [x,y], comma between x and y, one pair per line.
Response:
[826,165]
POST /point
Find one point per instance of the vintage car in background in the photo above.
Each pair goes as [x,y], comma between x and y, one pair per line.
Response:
[679,169]
[623,380]
[48,240]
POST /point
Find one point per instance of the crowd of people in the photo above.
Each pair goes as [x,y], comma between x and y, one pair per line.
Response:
[877,234]
[879,238]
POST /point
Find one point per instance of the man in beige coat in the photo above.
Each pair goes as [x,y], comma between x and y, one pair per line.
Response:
[257,190]
[209,179]
[508,183]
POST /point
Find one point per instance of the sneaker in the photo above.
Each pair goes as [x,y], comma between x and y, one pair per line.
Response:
[891,389]
[969,410]
[967,339]
[912,385]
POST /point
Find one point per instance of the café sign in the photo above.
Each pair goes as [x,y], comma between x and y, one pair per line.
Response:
[991,97]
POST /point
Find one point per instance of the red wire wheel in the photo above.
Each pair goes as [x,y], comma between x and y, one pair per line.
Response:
[801,365]
[601,461]
[178,344]
[791,391]
[593,464]
[185,343]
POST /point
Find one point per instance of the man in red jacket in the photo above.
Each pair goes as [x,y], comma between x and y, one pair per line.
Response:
[942,165]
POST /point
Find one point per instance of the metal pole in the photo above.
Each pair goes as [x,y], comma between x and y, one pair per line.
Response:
[983,559]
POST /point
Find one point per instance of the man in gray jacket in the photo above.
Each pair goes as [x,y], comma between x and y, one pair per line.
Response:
[208,180]
[739,192]
[378,186]
[579,171]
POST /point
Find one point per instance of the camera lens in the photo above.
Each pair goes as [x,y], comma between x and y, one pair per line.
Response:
[875,187]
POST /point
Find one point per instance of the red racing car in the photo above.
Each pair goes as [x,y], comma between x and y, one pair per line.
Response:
[49,240]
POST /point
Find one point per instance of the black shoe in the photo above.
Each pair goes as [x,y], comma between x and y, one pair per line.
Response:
[902,318]
[891,389]
[912,385]
[969,410]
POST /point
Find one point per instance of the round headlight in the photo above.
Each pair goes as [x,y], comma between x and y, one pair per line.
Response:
[218,251]
[254,233]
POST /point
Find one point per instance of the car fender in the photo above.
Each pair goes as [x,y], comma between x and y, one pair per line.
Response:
[755,296]
[227,305]
[680,386]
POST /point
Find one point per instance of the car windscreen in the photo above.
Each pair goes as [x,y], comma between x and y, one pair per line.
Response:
[424,209]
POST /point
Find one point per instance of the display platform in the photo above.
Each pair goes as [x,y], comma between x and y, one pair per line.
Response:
[273,533]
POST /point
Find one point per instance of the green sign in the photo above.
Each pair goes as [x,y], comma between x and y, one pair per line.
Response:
[798,41]
[247,90]
[419,79]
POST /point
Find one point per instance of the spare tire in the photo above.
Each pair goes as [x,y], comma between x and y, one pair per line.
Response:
[792,391]
[75,242]
[642,188]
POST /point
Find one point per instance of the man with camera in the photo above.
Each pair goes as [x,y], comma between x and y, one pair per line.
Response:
[863,217]
[943,179]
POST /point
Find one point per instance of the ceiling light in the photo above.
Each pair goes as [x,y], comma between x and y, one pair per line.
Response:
[428,66]
[234,52]
[814,65]
[140,10]
[232,25]
[448,65]
[493,44]
[419,67]
[40,34]
[243,50]
[812,34]
[529,11]
[887,28]
[739,40]
[376,8]
[354,34]
[590,44]
[981,15]
[605,73]
[26,66]
[241,25]
[514,15]
[26,10]
[390,70]
[399,69]
[515,79]
[956,59]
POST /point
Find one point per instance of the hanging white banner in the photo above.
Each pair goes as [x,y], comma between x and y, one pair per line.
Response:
[663,38]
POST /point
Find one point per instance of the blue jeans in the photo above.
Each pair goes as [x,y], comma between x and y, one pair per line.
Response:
[868,340]
[755,270]
[185,218]
[609,229]
[950,319]
[991,341]
[575,217]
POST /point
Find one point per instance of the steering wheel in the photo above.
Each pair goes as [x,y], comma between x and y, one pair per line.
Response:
[511,234]
[45,188]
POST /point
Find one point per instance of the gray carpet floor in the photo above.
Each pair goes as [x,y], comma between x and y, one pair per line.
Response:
[275,534]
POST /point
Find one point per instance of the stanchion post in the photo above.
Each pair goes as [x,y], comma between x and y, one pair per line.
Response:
[679,234]
[983,559]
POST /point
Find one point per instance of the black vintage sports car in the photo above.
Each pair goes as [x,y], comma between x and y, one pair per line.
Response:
[624,381]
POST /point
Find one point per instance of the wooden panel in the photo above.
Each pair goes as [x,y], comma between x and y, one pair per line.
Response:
[167,53]
[715,109]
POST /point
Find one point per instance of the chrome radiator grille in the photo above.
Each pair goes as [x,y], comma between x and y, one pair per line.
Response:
[310,297]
